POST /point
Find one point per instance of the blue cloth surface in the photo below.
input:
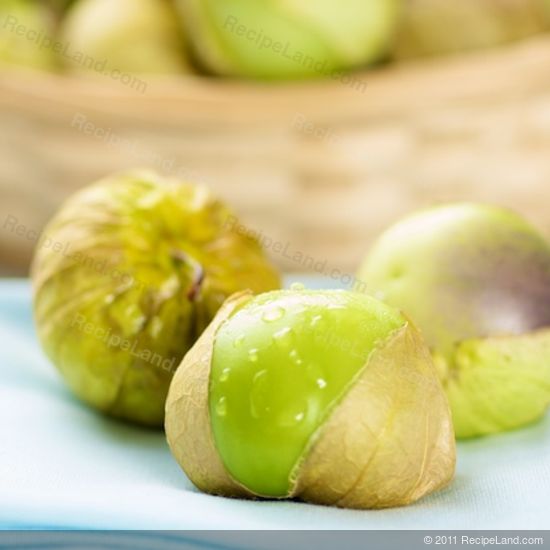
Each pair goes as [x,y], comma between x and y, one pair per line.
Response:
[63,465]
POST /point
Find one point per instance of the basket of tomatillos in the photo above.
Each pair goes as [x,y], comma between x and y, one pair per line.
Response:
[156,310]
[267,39]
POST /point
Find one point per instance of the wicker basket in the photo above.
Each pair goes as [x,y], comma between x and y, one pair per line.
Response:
[319,167]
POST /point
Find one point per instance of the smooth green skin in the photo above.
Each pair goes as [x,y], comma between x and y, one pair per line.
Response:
[280,364]
[132,36]
[113,286]
[436,27]
[466,272]
[336,35]
[16,50]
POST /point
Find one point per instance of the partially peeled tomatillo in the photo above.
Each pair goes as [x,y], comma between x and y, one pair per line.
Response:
[126,276]
[476,280]
[330,397]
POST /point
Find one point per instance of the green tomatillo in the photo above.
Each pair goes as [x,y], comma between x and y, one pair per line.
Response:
[126,276]
[123,36]
[26,35]
[476,279]
[326,396]
[282,39]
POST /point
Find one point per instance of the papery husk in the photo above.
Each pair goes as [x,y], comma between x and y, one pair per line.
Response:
[142,265]
[498,383]
[187,419]
[388,442]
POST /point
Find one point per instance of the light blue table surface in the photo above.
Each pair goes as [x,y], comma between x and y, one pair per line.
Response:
[63,465]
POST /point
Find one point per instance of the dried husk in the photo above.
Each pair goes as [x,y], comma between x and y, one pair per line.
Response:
[498,383]
[187,418]
[390,441]
[126,276]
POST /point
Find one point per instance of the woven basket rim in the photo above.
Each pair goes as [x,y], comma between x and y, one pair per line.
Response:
[390,90]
